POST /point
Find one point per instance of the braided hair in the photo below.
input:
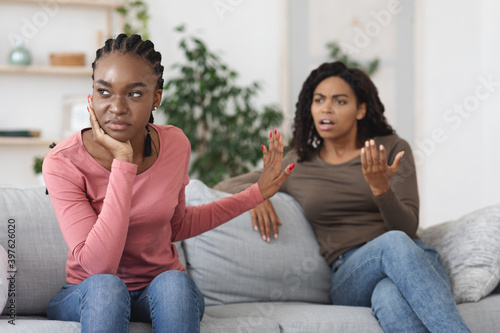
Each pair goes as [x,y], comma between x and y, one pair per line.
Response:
[305,137]
[141,48]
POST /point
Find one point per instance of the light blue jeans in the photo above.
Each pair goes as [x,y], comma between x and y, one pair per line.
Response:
[402,280]
[102,303]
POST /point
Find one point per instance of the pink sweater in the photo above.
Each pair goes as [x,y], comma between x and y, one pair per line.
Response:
[117,222]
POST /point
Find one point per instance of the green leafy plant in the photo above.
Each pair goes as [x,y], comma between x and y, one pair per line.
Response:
[336,53]
[37,165]
[135,16]
[224,126]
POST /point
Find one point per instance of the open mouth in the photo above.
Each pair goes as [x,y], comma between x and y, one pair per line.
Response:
[326,124]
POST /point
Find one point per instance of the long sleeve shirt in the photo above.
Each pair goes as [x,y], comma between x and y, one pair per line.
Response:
[338,202]
[122,223]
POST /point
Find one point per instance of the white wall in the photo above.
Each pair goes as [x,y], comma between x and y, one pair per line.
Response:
[457,51]
[247,34]
[365,30]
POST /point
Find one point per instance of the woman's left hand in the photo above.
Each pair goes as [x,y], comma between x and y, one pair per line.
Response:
[271,179]
[376,171]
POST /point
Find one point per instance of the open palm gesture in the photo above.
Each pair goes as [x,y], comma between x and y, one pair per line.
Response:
[376,171]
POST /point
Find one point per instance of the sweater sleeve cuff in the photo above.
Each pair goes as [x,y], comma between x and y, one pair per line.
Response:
[125,166]
[256,195]
[386,199]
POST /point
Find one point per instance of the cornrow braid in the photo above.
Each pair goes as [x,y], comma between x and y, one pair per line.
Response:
[143,49]
[133,45]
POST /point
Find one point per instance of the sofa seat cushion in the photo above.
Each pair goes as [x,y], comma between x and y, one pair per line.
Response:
[42,324]
[482,316]
[470,251]
[232,264]
[211,324]
[299,317]
[207,325]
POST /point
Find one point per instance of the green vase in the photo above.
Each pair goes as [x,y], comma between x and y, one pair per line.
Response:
[20,56]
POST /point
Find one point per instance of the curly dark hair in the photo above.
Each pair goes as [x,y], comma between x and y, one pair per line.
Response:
[305,137]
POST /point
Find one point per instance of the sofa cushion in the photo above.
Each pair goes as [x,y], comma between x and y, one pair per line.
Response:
[470,250]
[231,264]
[37,244]
[298,317]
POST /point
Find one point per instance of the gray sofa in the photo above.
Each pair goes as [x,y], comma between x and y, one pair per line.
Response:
[249,286]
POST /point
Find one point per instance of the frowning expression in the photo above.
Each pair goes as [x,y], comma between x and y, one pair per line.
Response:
[335,110]
[124,94]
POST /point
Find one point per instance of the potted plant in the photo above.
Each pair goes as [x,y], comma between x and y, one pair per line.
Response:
[218,116]
[336,53]
[37,168]
[135,18]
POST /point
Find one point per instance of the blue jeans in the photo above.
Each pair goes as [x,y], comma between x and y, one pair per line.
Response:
[102,303]
[402,280]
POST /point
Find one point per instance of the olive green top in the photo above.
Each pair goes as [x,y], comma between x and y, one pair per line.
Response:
[338,202]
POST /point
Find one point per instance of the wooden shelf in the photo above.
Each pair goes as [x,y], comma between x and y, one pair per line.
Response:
[25,141]
[90,3]
[57,70]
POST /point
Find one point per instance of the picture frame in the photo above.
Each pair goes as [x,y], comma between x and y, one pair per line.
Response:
[75,114]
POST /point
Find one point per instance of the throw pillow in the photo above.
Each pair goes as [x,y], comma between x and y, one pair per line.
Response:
[232,264]
[470,251]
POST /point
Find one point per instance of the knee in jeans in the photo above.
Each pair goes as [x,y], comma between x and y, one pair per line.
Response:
[106,287]
[398,242]
[173,282]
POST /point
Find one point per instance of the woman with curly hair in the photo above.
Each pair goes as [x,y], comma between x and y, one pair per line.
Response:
[363,211]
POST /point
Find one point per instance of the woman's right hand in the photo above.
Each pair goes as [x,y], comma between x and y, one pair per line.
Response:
[120,150]
[263,216]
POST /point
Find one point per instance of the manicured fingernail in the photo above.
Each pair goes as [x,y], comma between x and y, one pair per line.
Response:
[275,131]
[279,136]
[255,228]
[367,144]
[268,239]
[262,146]
[271,134]
[291,166]
[88,109]
[275,236]
[372,142]
[381,147]
[362,151]
[264,238]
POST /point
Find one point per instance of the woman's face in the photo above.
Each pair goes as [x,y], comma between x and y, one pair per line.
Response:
[124,94]
[335,110]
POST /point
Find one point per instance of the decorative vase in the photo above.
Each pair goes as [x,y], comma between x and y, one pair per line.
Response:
[20,56]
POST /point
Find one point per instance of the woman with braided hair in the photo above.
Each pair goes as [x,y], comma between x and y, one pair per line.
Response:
[118,192]
[360,195]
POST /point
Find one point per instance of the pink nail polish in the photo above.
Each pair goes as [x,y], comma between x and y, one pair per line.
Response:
[291,166]
[262,146]
[275,131]
[88,110]
[271,134]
